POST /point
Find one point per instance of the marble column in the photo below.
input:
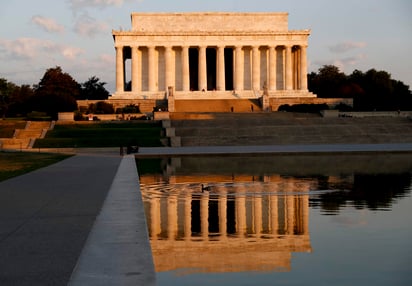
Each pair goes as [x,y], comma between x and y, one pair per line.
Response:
[185,69]
[289,68]
[221,84]
[136,68]
[119,69]
[239,72]
[168,67]
[202,68]
[152,69]
[303,68]
[272,68]
[255,68]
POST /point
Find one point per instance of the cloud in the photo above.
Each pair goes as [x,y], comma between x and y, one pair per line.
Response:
[47,24]
[82,4]
[107,59]
[32,48]
[342,63]
[71,53]
[87,26]
[347,46]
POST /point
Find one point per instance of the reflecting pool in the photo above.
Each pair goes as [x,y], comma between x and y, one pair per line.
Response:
[279,220]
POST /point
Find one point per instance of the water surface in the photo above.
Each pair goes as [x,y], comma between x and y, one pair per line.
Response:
[279,220]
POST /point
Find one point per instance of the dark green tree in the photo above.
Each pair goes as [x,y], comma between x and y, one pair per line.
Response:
[101,107]
[93,89]
[14,99]
[56,92]
[6,89]
[20,99]
[328,82]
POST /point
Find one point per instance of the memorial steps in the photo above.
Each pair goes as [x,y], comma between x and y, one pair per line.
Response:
[24,138]
[279,128]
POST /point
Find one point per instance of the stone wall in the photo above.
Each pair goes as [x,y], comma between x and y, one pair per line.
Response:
[209,22]
[275,103]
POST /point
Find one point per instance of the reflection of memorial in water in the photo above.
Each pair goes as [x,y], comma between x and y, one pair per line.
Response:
[239,224]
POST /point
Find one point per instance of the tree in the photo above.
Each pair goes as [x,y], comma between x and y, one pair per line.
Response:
[93,89]
[56,92]
[328,82]
[373,90]
[20,98]
[101,107]
[5,91]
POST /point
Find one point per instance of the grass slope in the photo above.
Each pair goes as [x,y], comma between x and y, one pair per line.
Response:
[103,135]
[17,163]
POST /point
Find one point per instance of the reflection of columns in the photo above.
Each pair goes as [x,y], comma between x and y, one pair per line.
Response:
[274,225]
[303,68]
[257,207]
[188,217]
[305,214]
[288,68]
[136,68]
[221,68]
[223,216]
[202,68]
[172,217]
[154,218]
[239,68]
[119,69]
[152,69]
[168,67]
[204,215]
[272,68]
[255,68]
[290,214]
[240,215]
[185,68]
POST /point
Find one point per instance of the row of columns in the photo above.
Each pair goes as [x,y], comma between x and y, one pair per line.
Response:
[289,215]
[295,74]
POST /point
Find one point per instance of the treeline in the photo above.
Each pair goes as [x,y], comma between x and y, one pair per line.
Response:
[56,92]
[371,90]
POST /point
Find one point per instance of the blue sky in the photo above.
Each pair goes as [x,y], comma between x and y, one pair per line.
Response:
[76,34]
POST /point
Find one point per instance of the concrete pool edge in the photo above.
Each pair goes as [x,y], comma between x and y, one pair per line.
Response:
[117,251]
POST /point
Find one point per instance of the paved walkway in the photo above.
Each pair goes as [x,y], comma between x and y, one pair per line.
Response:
[46,217]
[81,221]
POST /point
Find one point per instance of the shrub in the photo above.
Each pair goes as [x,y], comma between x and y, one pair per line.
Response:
[101,107]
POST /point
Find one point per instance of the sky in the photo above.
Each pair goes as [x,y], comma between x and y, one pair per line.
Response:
[77,34]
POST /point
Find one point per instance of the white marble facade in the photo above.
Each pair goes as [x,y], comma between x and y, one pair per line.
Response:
[215,55]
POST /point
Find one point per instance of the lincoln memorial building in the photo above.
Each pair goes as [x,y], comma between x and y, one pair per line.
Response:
[211,56]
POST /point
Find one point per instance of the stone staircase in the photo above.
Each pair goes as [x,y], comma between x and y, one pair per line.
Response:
[25,138]
[280,128]
[218,105]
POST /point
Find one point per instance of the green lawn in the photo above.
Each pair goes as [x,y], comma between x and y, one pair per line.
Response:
[13,164]
[116,134]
